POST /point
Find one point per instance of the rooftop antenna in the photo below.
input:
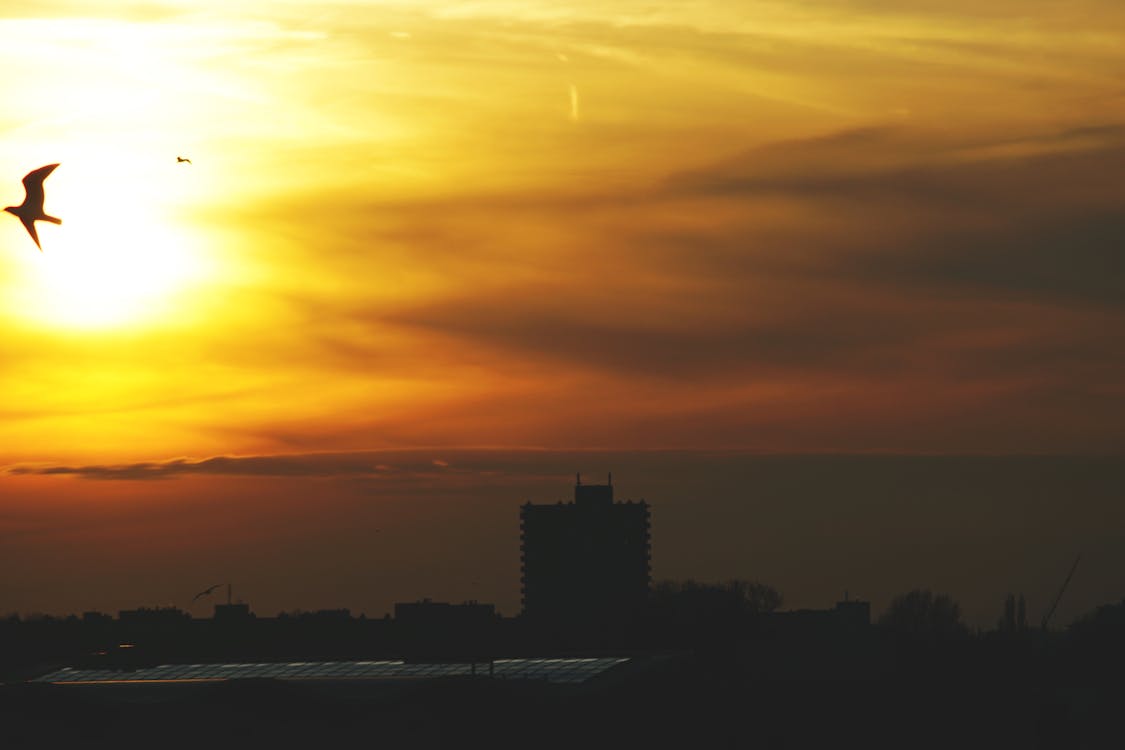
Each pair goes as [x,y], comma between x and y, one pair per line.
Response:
[578,478]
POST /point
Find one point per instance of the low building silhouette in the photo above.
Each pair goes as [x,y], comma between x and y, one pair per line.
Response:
[586,562]
[230,614]
[852,614]
[432,630]
[153,616]
[849,615]
[97,618]
[427,614]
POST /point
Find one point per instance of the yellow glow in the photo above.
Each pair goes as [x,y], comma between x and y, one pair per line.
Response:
[117,259]
[124,257]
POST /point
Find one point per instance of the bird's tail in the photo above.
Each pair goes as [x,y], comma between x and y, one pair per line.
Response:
[51,219]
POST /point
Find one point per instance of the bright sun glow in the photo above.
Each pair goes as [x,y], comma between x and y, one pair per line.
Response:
[110,105]
[118,259]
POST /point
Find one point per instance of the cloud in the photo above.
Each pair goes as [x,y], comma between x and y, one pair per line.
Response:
[383,465]
[924,163]
[316,465]
[1035,217]
[936,281]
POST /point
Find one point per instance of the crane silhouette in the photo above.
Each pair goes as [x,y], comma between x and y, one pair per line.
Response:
[31,210]
[1058,597]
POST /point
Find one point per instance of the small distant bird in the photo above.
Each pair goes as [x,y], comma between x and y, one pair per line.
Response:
[181,160]
[205,592]
[31,210]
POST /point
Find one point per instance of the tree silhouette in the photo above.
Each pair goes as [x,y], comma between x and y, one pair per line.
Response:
[922,614]
[756,598]
[709,613]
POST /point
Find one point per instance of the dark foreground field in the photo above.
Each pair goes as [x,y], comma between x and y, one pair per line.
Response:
[668,702]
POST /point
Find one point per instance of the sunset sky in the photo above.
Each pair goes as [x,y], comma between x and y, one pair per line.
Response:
[425,250]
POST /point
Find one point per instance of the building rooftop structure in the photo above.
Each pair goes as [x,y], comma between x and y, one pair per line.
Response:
[587,561]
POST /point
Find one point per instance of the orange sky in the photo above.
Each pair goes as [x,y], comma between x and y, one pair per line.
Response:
[791,226]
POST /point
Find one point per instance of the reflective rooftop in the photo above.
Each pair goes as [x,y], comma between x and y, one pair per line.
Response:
[551,670]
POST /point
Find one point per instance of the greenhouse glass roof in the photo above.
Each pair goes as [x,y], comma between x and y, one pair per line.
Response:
[563,670]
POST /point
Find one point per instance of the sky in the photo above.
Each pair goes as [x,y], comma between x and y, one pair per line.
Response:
[651,233]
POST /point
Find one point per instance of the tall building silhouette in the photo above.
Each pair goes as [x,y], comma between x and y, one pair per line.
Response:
[587,561]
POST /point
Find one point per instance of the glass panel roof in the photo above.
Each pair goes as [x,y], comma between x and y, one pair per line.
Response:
[551,670]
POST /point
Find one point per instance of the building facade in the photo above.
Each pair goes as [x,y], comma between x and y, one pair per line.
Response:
[586,561]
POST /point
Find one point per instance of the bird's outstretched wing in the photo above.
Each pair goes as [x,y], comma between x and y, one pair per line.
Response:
[33,186]
[205,592]
[29,224]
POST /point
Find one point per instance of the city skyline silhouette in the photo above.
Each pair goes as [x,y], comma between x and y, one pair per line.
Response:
[792,493]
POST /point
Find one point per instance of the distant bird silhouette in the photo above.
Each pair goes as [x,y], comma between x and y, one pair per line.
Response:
[206,592]
[181,160]
[31,210]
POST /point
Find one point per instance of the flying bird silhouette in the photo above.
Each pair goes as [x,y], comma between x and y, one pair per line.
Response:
[181,160]
[206,592]
[31,210]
